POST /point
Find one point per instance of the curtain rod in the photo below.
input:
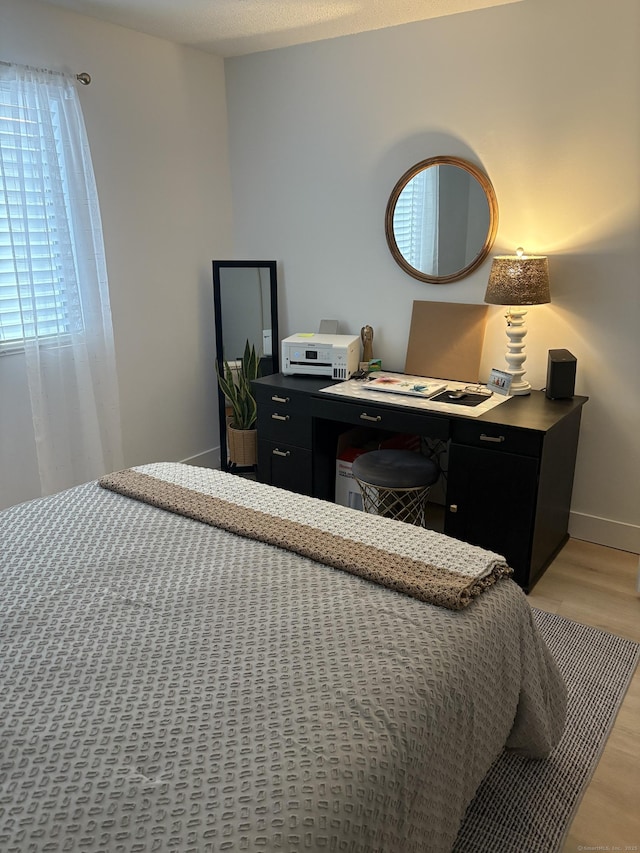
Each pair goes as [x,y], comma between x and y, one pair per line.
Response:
[83,77]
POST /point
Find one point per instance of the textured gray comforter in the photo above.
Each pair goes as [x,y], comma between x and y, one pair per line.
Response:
[169,686]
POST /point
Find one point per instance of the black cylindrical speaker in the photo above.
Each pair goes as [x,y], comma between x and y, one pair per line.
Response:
[561,374]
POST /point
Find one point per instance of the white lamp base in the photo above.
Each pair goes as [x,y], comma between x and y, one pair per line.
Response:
[515,355]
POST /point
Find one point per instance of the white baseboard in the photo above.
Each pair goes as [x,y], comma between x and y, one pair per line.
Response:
[208,459]
[605,531]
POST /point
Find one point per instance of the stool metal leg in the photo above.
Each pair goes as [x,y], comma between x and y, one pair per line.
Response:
[408,505]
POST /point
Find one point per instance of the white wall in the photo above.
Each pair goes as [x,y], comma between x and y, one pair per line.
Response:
[545,96]
[157,127]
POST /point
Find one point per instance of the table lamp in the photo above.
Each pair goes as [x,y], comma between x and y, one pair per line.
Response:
[518,280]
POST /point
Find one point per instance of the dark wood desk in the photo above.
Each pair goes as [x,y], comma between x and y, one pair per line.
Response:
[510,470]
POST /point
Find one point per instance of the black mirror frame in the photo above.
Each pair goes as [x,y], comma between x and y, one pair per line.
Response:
[275,336]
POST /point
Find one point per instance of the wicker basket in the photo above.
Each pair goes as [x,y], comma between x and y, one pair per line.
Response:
[243,446]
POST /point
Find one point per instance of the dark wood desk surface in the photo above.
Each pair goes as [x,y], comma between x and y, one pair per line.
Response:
[533,411]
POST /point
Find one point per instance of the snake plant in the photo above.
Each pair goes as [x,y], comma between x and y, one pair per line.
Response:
[237,389]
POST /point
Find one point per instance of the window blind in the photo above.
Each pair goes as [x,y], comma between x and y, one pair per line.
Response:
[407,220]
[37,269]
[415,221]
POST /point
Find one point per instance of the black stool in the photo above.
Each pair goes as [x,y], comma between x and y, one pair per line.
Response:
[395,483]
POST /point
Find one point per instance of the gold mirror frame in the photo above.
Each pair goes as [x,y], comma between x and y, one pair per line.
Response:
[492,202]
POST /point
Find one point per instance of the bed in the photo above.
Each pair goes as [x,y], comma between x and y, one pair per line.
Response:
[173,681]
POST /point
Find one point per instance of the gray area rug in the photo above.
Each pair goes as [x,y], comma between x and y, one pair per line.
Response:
[525,805]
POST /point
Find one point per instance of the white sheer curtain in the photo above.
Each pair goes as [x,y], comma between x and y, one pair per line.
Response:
[54,299]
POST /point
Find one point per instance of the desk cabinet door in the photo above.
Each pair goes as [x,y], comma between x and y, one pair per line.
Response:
[491,502]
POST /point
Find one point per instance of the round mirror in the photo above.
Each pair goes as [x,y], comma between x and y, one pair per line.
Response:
[441,219]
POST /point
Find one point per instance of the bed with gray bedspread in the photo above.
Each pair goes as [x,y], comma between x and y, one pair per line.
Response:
[171,686]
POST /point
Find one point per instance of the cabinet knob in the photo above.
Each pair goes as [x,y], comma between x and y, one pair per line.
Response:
[365,417]
[277,452]
[277,399]
[280,417]
[453,507]
[496,438]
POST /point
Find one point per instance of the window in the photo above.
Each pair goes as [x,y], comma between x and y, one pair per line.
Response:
[38,274]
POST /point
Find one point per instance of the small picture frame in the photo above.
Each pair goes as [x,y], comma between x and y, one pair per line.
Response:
[500,382]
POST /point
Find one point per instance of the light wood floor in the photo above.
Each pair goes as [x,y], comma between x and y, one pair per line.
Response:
[597,586]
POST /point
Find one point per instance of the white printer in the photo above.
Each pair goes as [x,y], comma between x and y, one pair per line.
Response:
[311,354]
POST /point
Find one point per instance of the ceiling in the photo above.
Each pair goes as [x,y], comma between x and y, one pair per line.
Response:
[236,27]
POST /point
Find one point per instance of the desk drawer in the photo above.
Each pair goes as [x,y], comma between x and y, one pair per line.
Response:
[281,424]
[397,419]
[282,400]
[285,466]
[497,437]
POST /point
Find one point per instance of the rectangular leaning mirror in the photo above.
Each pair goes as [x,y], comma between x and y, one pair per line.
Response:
[245,301]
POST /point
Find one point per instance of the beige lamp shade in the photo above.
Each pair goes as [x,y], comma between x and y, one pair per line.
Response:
[518,280]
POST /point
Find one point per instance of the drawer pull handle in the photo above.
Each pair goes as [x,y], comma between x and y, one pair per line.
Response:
[497,439]
[453,508]
[365,417]
[277,452]
[277,399]
[280,417]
